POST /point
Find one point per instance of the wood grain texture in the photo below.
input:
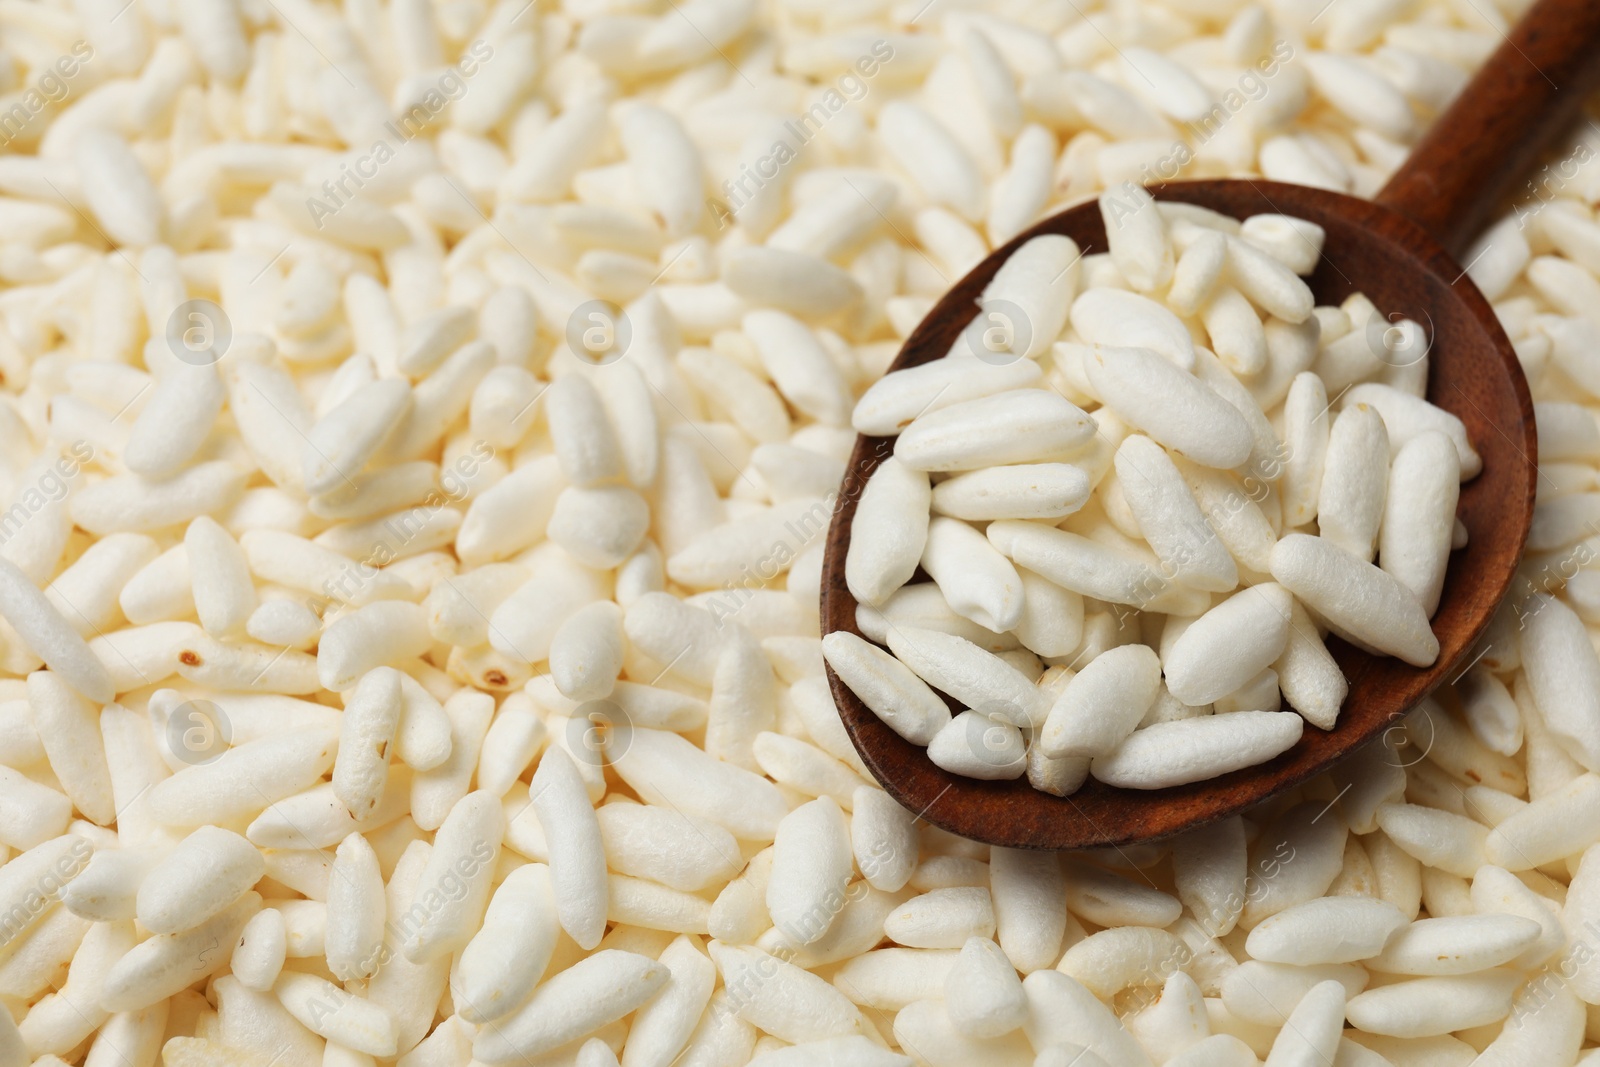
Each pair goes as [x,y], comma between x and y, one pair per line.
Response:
[1487,141]
[1473,374]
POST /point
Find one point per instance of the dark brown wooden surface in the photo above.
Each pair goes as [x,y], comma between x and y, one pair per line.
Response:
[1482,150]
[1474,374]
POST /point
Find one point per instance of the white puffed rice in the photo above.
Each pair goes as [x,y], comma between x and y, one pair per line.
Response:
[420,426]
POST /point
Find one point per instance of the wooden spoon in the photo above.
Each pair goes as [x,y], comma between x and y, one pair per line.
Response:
[1399,250]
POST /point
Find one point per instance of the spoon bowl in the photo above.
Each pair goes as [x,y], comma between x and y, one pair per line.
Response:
[1473,374]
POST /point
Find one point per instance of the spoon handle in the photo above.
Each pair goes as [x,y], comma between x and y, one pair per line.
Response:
[1521,100]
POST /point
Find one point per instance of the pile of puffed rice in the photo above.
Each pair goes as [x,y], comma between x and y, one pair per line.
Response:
[1209,501]
[419,429]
